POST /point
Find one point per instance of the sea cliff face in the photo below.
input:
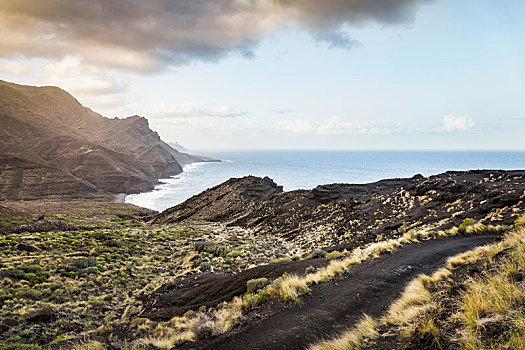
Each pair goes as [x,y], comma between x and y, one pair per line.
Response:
[52,145]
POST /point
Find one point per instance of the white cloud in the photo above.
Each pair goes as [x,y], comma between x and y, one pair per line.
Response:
[73,75]
[451,123]
[15,68]
[457,123]
[201,126]
[221,111]
[188,110]
[95,87]
[334,126]
[296,126]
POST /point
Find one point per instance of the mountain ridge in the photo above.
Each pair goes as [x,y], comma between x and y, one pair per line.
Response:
[45,130]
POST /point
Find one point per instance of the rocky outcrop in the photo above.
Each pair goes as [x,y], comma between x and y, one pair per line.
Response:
[46,314]
[222,202]
[349,214]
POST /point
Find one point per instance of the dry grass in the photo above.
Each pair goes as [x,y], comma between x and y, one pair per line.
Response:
[340,266]
[353,339]
[95,345]
[495,301]
[290,288]
[416,299]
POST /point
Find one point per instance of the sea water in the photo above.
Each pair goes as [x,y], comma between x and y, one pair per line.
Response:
[307,169]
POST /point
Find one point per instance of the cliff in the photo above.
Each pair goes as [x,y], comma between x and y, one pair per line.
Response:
[52,145]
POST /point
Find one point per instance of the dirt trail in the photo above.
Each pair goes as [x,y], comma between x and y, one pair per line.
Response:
[334,307]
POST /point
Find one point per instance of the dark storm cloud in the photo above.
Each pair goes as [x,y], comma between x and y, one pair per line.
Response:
[148,35]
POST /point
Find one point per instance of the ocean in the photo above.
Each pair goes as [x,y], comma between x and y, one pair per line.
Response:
[307,169]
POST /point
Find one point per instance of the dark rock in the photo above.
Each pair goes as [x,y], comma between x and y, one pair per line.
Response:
[348,215]
[46,314]
[42,226]
[222,202]
[27,247]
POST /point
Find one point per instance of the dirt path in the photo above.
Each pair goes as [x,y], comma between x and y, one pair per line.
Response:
[334,307]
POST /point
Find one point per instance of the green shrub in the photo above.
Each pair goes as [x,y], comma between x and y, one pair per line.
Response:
[189,314]
[212,248]
[18,346]
[255,284]
[317,254]
[29,276]
[99,236]
[89,270]
[17,273]
[467,222]
[334,255]
[114,243]
[85,263]
[36,269]
[249,301]
[29,293]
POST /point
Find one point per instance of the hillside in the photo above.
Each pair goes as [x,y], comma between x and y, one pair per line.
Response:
[245,262]
[52,145]
[347,215]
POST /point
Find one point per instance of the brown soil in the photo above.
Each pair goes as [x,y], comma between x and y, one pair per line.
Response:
[334,307]
[208,289]
[447,293]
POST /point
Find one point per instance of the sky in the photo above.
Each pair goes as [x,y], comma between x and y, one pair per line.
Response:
[284,74]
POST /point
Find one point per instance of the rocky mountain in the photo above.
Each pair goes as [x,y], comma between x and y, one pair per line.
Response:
[178,147]
[354,214]
[52,145]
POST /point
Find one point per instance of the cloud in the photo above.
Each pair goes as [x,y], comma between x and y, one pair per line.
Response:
[144,36]
[15,68]
[334,126]
[94,86]
[73,75]
[200,126]
[188,110]
[337,40]
[457,123]
[282,111]
[450,123]
[296,126]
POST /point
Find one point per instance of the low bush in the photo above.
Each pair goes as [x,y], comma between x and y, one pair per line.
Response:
[254,285]
[212,248]
[334,255]
[317,254]
[84,263]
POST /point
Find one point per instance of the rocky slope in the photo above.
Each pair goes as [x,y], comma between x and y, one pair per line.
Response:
[52,145]
[349,215]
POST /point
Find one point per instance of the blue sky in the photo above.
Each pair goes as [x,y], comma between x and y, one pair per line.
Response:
[452,77]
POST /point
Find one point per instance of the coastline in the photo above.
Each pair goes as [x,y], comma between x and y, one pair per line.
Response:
[120,198]
[306,170]
[149,199]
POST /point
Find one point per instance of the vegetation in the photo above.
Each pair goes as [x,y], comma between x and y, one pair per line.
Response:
[487,314]
[57,284]
[93,277]
[290,288]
